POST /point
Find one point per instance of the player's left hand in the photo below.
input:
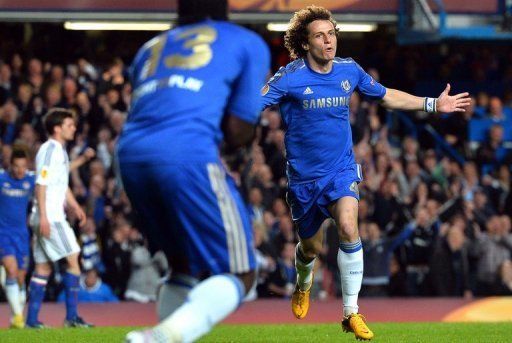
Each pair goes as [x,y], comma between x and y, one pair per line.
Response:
[452,103]
[80,214]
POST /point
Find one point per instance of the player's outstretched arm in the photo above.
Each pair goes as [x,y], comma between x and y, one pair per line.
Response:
[445,103]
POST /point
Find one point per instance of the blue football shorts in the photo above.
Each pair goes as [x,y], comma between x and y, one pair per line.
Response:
[309,200]
[17,245]
[194,213]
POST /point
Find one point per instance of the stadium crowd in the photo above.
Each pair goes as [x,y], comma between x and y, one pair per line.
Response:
[435,209]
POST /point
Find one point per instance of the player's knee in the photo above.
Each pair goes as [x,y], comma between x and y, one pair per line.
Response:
[73,264]
[247,280]
[43,269]
[12,272]
[11,268]
[312,249]
[347,230]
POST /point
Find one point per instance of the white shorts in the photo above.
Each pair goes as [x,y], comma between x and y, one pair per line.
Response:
[61,243]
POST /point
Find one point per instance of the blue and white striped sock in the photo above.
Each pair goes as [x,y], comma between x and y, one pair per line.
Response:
[350,263]
[36,296]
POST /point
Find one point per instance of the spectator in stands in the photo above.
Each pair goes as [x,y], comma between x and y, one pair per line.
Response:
[92,290]
[470,180]
[285,233]
[91,251]
[389,209]
[265,255]
[56,74]
[483,210]
[281,282]
[493,249]
[377,250]
[418,247]
[6,86]
[449,264]
[410,149]
[53,96]
[147,272]
[492,151]
[117,257]
[496,112]
[256,208]
[264,181]
[482,104]
[24,98]
[8,122]
[433,170]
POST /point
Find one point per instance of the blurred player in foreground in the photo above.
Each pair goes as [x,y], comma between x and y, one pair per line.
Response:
[16,189]
[192,86]
[54,238]
[314,92]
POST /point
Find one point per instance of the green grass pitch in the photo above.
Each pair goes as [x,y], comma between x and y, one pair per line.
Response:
[384,332]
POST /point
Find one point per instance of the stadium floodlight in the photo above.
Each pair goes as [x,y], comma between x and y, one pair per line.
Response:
[347,27]
[117,26]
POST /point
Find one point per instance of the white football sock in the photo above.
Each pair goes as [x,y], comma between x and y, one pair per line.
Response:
[304,269]
[12,293]
[350,263]
[207,304]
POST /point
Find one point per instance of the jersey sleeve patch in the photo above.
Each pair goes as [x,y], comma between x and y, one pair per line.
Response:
[44,172]
[265,89]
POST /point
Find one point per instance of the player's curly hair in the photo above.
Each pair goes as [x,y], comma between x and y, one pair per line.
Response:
[297,34]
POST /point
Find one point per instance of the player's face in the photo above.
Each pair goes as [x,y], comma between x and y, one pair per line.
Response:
[68,129]
[322,41]
[19,168]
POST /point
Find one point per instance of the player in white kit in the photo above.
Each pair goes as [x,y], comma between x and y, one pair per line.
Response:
[54,239]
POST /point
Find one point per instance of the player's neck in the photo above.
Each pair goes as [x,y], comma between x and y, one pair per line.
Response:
[322,67]
[61,140]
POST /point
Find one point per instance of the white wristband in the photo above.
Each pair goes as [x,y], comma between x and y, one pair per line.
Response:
[430,105]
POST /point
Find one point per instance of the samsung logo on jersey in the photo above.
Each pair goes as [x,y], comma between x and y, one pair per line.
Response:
[17,193]
[326,102]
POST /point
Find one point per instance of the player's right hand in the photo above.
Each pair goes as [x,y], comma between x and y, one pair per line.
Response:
[44,228]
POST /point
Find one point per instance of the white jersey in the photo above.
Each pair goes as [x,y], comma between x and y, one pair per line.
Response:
[52,166]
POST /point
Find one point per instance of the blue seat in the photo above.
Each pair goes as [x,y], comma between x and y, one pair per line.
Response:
[479,128]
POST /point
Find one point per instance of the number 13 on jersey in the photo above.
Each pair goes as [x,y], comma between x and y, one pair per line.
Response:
[197,40]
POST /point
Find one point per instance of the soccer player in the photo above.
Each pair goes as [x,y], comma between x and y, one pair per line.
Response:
[313,92]
[192,86]
[55,238]
[16,189]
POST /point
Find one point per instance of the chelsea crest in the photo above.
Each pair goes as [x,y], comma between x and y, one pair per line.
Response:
[345,85]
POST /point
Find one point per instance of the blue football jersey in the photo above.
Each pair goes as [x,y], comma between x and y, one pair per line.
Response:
[14,198]
[315,111]
[184,81]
